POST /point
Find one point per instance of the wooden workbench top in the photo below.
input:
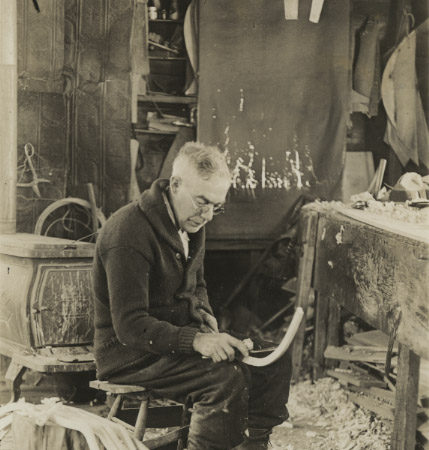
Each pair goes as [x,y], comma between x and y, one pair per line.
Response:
[393,218]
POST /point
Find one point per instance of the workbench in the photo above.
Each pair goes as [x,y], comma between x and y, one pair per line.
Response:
[377,268]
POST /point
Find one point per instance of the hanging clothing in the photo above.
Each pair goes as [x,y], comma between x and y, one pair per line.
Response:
[367,72]
[407,130]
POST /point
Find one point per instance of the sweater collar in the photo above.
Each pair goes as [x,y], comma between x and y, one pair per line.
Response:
[153,206]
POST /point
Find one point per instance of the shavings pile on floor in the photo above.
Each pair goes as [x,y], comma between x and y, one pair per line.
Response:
[323,418]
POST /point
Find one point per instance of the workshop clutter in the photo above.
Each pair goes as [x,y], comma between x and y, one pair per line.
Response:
[368,368]
[410,186]
[165,9]
[333,421]
[411,189]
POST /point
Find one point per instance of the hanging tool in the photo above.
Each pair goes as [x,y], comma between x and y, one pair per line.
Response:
[29,153]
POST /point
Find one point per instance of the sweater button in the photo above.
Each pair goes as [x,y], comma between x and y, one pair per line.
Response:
[178,256]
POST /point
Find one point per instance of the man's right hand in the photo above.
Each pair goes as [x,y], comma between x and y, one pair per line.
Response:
[219,346]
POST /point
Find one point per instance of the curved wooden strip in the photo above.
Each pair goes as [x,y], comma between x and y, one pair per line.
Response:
[283,346]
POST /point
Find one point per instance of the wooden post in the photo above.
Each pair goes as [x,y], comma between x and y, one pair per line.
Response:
[320,334]
[304,289]
[407,388]
[333,332]
[8,115]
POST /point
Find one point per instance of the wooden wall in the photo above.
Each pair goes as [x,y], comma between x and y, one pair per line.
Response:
[73,102]
[98,65]
[42,108]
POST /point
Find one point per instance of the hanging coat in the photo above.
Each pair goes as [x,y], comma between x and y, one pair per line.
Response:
[407,130]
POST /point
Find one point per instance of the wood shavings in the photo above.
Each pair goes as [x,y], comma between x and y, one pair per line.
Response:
[399,211]
[342,424]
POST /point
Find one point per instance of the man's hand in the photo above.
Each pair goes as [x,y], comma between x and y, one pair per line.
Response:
[218,346]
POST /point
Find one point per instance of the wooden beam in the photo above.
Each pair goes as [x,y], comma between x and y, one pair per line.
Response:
[407,387]
[304,283]
[8,115]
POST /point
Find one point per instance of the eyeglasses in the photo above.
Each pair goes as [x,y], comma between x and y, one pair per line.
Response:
[203,206]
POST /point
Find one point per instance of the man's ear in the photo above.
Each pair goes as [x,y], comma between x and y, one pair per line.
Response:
[175,182]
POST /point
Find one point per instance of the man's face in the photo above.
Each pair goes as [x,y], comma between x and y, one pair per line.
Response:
[194,199]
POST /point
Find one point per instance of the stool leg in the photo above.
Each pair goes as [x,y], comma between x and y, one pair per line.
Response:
[185,419]
[13,377]
[115,407]
[140,427]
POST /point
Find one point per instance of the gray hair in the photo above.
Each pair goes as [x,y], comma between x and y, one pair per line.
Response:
[206,160]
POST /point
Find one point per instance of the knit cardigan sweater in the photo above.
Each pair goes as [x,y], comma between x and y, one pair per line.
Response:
[144,285]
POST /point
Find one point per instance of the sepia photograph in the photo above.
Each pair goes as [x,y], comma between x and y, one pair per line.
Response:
[214,224]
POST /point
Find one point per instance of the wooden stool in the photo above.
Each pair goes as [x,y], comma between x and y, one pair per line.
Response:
[164,408]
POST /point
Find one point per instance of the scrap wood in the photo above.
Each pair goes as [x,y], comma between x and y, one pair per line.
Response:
[383,394]
[356,353]
[357,379]
[372,404]
[373,338]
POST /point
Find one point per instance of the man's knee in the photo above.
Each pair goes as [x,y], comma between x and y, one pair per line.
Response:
[230,374]
[228,380]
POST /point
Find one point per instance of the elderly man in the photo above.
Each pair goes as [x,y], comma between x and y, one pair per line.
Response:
[153,322]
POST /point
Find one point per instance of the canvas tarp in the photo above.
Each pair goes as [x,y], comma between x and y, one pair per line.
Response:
[274,93]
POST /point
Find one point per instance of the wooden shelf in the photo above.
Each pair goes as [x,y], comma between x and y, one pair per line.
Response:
[145,131]
[168,58]
[165,98]
[164,21]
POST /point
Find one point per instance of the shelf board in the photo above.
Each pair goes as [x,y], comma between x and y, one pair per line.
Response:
[165,21]
[145,131]
[169,58]
[165,98]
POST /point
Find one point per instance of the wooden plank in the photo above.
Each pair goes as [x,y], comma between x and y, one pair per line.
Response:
[333,333]
[405,422]
[356,379]
[383,395]
[349,353]
[320,335]
[371,404]
[116,388]
[27,245]
[139,55]
[8,115]
[373,338]
[51,364]
[164,98]
[308,221]
[416,231]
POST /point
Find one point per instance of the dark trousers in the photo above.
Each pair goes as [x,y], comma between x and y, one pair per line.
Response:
[227,397]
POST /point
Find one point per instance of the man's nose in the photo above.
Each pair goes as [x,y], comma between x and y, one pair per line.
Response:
[207,214]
